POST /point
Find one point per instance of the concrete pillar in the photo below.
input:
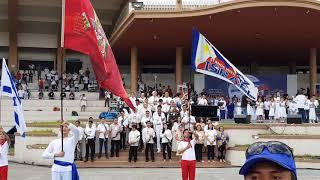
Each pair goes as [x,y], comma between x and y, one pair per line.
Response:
[179,65]
[13,39]
[313,70]
[59,60]
[134,69]
[178,4]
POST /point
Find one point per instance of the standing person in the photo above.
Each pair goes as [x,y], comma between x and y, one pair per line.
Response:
[83,102]
[115,129]
[211,136]
[199,137]
[313,104]
[4,147]
[223,139]
[282,111]
[79,148]
[158,120]
[179,137]
[63,167]
[166,138]
[300,100]
[259,110]
[85,82]
[188,160]
[147,117]
[174,130]
[238,110]
[90,133]
[307,109]
[134,138]
[147,136]
[103,130]
[123,122]
[266,107]
[272,109]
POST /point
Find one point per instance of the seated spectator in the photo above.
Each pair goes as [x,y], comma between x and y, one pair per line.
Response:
[40,94]
[269,160]
[71,96]
[51,94]
[63,95]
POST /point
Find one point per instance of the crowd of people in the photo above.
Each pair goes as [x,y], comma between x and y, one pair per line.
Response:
[156,126]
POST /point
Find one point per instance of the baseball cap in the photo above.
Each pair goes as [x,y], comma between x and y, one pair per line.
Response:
[283,160]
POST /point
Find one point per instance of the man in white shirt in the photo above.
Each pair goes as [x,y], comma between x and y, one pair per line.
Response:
[21,93]
[203,101]
[189,124]
[123,121]
[144,108]
[85,82]
[103,131]
[79,148]
[146,118]
[63,167]
[222,108]
[115,129]
[158,120]
[300,100]
[90,133]
[134,138]
[147,136]
[153,100]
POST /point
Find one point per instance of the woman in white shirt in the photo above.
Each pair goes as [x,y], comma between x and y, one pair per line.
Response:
[166,138]
[188,159]
[259,110]
[4,147]
[282,110]
[238,108]
[313,104]
[211,136]
[272,109]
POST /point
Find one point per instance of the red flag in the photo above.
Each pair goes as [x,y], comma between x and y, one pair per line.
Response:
[83,32]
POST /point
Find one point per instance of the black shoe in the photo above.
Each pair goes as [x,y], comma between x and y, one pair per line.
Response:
[107,157]
[135,161]
[117,155]
[147,160]
[92,160]
[111,156]
[99,156]
[86,160]
[153,160]
[129,161]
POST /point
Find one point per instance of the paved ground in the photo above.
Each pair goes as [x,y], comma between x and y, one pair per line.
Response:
[27,172]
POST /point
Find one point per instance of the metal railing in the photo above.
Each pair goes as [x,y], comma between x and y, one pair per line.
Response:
[164,5]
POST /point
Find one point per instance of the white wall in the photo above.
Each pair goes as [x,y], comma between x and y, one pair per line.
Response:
[4,39]
[292,84]
[199,82]
[37,40]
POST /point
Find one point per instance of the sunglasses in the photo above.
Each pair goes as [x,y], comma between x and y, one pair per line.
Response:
[274,147]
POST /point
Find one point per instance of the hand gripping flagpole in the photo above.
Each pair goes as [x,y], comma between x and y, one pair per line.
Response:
[61,67]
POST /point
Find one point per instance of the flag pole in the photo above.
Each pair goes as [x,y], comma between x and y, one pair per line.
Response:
[61,67]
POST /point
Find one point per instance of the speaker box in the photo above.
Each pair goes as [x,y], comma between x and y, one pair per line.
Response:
[294,119]
[204,111]
[242,119]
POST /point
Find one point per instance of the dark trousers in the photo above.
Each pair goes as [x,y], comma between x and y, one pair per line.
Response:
[103,142]
[198,151]
[90,144]
[149,147]
[166,146]
[222,114]
[133,152]
[302,112]
[78,151]
[222,151]
[211,152]
[306,116]
[115,147]
[123,140]
[266,114]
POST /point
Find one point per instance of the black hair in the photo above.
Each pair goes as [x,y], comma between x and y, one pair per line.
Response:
[134,126]
[77,121]
[159,106]
[90,121]
[160,100]
[190,133]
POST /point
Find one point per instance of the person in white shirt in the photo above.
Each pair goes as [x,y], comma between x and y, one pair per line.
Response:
[145,119]
[153,100]
[306,109]
[266,107]
[300,100]
[202,100]
[115,129]
[166,101]
[85,82]
[123,122]
[79,148]
[4,148]
[134,138]
[222,108]
[90,133]
[133,98]
[145,107]
[313,104]
[63,167]
[142,98]
[21,93]
[103,131]
[166,139]
[147,137]
[189,124]
[83,102]
[158,120]
[259,110]
[188,159]
[211,137]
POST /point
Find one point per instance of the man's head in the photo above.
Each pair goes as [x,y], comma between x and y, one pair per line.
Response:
[77,123]
[90,123]
[103,120]
[134,127]
[269,160]
[159,108]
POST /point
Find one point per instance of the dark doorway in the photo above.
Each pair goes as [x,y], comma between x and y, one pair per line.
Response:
[24,64]
[73,66]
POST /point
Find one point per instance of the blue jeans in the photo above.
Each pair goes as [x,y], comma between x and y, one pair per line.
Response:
[222,114]
[302,112]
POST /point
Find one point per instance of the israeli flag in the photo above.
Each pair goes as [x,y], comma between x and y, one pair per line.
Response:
[8,88]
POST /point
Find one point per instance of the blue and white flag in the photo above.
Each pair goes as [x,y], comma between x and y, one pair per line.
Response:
[206,59]
[8,88]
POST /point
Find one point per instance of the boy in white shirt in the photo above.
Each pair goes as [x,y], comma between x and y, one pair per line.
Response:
[90,133]
[147,136]
[134,138]
[63,167]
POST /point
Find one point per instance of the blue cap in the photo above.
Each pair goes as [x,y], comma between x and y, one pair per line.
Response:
[282,160]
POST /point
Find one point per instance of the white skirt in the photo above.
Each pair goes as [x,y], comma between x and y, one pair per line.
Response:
[282,112]
[271,112]
[312,114]
[259,112]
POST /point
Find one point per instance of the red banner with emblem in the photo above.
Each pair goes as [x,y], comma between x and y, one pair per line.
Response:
[83,32]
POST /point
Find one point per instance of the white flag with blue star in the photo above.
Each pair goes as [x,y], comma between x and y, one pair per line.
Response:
[8,88]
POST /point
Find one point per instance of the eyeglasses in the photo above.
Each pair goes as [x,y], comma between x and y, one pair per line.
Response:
[274,147]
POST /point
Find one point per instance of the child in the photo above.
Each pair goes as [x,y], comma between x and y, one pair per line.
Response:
[4,147]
